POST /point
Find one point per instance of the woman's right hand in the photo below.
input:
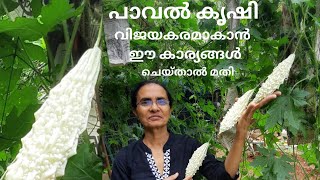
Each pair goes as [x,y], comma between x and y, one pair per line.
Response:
[173,177]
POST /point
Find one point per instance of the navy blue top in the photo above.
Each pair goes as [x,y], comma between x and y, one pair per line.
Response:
[131,162]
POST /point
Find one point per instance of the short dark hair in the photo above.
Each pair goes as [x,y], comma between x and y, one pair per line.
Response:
[135,91]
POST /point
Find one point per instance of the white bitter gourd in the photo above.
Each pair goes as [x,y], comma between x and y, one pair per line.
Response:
[227,126]
[59,122]
[275,79]
[196,160]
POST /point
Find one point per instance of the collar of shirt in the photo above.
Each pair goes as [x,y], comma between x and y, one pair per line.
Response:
[166,146]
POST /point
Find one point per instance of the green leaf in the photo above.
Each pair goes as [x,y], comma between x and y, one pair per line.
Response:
[274,167]
[299,97]
[255,33]
[1,170]
[18,98]
[85,165]
[36,6]
[57,11]
[4,80]
[3,156]
[266,152]
[10,5]
[276,111]
[261,161]
[284,112]
[17,127]
[286,158]
[7,47]
[32,29]
[4,85]
[294,118]
[299,103]
[282,168]
[283,41]
[309,153]
[32,52]
[23,27]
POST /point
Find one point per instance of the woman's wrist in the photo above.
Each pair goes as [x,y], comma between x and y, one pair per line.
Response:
[241,133]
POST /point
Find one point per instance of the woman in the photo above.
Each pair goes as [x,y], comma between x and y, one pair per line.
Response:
[160,154]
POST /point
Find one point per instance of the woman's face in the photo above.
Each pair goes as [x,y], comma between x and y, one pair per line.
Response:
[153,109]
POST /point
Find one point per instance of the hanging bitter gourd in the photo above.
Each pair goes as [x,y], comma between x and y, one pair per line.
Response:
[59,122]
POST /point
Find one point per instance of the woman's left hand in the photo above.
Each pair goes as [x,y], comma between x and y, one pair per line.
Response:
[234,157]
[246,118]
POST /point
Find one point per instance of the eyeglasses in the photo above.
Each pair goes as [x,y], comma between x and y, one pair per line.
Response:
[149,102]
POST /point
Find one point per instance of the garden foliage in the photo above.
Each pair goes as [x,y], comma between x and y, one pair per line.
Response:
[29,69]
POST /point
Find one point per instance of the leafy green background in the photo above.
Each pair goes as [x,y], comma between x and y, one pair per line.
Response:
[29,68]
[297,110]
